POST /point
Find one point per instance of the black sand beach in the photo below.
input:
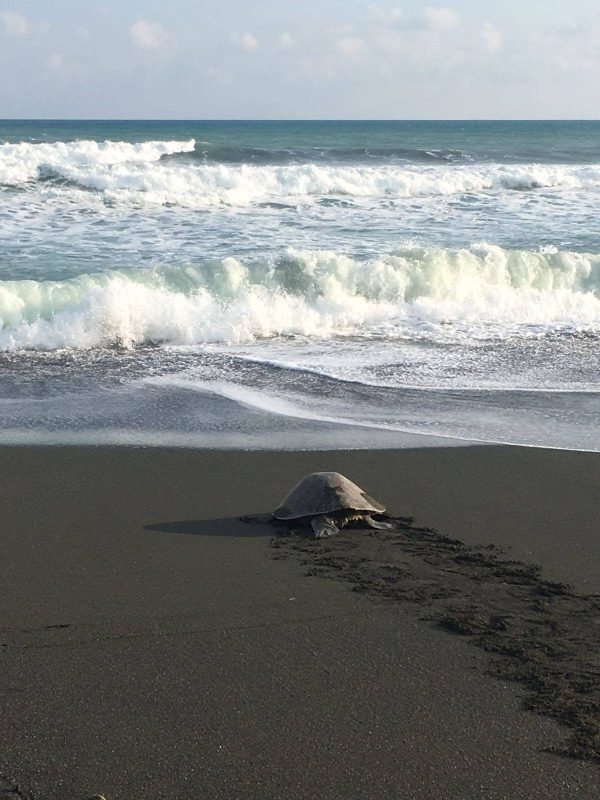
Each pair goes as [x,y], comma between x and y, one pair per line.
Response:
[154,646]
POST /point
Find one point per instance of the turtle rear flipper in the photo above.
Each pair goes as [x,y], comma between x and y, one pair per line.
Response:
[379,525]
[324,527]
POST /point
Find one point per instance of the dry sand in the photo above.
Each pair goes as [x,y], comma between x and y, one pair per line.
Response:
[153,646]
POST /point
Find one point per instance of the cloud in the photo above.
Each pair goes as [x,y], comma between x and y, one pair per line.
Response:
[350,46]
[286,40]
[245,41]
[433,18]
[382,14]
[219,74]
[149,35]
[440,18]
[491,38]
[55,62]
[576,47]
[14,23]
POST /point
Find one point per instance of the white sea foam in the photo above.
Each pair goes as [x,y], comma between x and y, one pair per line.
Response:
[25,161]
[245,396]
[478,292]
[133,172]
[203,186]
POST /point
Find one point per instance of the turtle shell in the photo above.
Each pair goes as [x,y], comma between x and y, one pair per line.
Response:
[323,493]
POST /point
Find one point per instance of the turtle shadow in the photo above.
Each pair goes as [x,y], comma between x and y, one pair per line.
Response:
[227,527]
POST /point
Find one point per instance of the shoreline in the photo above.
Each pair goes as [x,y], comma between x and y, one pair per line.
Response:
[321,434]
[454,441]
[186,655]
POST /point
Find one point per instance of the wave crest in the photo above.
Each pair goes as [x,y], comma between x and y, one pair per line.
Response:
[25,161]
[482,291]
[137,172]
[205,186]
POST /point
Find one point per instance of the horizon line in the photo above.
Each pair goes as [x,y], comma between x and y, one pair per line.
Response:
[299,119]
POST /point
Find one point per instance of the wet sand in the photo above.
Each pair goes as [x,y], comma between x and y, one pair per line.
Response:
[152,645]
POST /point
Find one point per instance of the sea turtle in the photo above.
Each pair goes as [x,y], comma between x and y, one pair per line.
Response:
[327,501]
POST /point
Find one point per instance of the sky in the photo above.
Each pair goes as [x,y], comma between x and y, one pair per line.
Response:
[272,59]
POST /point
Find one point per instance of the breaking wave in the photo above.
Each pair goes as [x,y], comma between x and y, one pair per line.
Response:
[157,173]
[205,186]
[224,154]
[24,162]
[483,291]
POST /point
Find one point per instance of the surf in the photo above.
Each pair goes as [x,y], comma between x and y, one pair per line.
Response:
[437,293]
[153,172]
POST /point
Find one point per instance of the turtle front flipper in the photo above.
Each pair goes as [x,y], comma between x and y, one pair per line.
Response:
[324,527]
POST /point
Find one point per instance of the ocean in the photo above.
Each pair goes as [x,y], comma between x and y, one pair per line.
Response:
[300,284]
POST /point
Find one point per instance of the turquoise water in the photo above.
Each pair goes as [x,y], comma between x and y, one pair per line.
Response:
[286,283]
[511,141]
